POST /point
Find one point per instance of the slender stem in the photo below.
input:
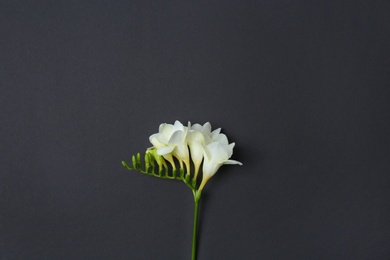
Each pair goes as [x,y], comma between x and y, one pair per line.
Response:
[195,230]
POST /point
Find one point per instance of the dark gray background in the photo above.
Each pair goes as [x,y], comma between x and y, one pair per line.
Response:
[302,87]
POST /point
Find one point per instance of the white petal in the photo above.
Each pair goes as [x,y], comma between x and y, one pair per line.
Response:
[181,152]
[162,138]
[221,138]
[217,152]
[233,162]
[230,149]
[197,127]
[215,133]
[154,141]
[206,154]
[165,133]
[161,128]
[196,150]
[209,168]
[207,128]
[178,126]
[195,136]
[165,150]
[177,138]
[152,137]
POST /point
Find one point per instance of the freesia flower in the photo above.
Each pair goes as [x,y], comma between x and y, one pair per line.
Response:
[210,145]
[198,137]
[179,141]
[197,142]
[161,139]
[160,142]
[171,140]
[216,154]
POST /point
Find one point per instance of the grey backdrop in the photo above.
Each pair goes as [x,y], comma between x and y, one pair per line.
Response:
[302,87]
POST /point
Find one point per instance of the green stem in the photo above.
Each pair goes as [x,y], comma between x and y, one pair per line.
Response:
[195,230]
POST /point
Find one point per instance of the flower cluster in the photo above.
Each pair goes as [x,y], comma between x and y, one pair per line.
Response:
[196,143]
[192,147]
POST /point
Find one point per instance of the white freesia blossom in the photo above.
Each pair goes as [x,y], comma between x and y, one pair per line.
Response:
[210,147]
[216,154]
[160,142]
[172,140]
[178,144]
[198,138]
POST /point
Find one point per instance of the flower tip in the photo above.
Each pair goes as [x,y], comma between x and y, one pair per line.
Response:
[233,162]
